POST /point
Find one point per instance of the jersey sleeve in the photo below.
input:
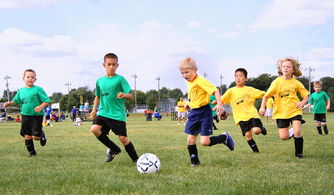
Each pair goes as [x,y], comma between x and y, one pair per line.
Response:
[208,87]
[326,96]
[42,95]
[97,89]
[257,94]
[225,99]
[271,90]
[301,89]
[17,98]
[311,100]
[125,86]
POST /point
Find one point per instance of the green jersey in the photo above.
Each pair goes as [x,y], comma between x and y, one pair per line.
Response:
[107,89]
[319,102]
[212,98]
[29,98]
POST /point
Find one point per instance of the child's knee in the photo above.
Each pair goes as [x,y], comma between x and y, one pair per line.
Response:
[205,142]
[256,130]
[124,140]
[96,131]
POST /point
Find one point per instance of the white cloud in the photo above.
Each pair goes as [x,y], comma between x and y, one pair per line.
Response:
[193,24]
[232,34]
[153,49]
[15,4]
[283,14]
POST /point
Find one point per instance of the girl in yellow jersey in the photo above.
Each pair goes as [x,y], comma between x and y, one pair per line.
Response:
[288,107]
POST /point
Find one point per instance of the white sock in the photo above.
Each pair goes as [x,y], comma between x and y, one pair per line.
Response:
[290,132]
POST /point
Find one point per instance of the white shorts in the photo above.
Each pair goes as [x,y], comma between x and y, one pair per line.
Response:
[181,114]
[269,112]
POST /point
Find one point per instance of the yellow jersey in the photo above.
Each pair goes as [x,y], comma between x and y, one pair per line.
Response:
[270,103]
[199,91]
[180,106]
[242,101]
[285,94]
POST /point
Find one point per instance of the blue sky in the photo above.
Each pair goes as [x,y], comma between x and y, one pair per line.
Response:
[65,40]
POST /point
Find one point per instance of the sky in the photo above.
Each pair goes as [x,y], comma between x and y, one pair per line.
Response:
[64,41]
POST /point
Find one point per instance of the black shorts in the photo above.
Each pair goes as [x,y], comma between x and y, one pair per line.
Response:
[31,125]
[248,125]
[47,117]
[320,118]
[118,127]
[285,123]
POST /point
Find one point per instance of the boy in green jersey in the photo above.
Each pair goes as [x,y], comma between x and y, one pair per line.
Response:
[321,103]
[111,91]
[33,100]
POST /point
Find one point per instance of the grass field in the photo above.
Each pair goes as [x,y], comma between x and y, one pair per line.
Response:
[72,162]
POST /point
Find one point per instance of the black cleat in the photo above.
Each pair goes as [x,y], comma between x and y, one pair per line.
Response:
[264,131]
[299,156]
[111,154]
[194,160]
[43,141]
[32,153]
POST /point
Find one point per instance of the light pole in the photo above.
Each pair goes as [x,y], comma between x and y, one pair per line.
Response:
[158,79]
[309,69]
[221,84]
[135,78]
[6,78]
[68,94]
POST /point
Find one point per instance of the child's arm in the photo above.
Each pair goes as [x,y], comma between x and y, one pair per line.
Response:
[124,95]
[306,106]
[40,107]
[219,106]
[328,104]
[263,105]
[300,104]
[96,103]
[12,103]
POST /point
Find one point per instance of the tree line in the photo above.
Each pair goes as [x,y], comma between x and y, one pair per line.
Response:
[79,96]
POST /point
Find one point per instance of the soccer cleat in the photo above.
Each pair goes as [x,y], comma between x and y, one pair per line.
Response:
[111,154]
[32,153]
[194,160]
[299,156]
[42,141]
[264,131]
[229,141]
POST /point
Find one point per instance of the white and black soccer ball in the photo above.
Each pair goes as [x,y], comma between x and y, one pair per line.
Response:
[148,163]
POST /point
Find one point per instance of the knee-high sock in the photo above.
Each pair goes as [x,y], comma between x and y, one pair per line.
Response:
[30,146]
[103,138]
[253,145]
[217,139]
[130,149]
[319,130]
[299,141]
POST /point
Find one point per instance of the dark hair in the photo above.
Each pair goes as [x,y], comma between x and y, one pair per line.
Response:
[28,70]
[110,55]
[241,70]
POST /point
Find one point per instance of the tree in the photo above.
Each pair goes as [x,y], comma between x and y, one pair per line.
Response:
[175,94]
[55,97]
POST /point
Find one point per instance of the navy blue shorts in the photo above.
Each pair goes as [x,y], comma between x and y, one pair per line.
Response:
[199,121]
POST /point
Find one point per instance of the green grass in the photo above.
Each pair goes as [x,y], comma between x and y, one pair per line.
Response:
[72,162]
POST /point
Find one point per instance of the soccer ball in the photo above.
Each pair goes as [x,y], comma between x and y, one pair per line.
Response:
[148,163]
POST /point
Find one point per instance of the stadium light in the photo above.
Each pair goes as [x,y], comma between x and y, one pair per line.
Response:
[221,84]
[309,69]
[135,78]
[205,75]
[68,93]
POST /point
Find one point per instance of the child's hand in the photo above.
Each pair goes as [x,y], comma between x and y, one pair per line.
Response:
[6,104]
[299,105]
[120,95]
[328,107]
[92,115]
[38,108]
[219,110]
[262,111]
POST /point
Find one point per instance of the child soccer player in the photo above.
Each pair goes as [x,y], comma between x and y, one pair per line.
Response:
[111,91]
[213,103]
[33,100]
[181,111]
[321,103]
[288,107]
[245,114]
[200,116]
[269,109]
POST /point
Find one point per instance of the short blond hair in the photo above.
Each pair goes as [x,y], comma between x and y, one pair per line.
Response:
[317,83]
[188,63]
[295,64]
